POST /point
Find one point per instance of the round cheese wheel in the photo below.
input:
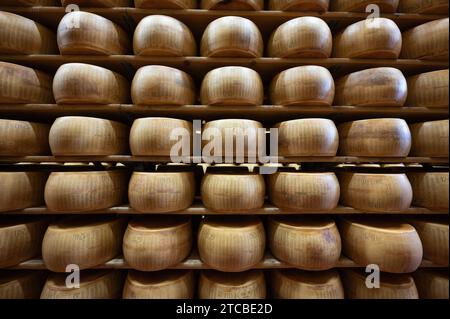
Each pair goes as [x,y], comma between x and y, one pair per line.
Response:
[304,37]
[430,139]
[300,284]
[300,191]
[393,246]
[430,190]
[385,6]
[162,85]
[16,284]
[231,244]
[232,85]
[20,190]
[85,191]
[307,137]
[377,38]
[98,3]
[386,193]
[309,243]
[386,137]
[429,89]
[425,7]
[20,238]
[233,5]
[84,136]
[161,192]
[94,284]
[21,85]
[87,33]
[167,284]
[150,136]
[428,41]
[308,85]
[165,4]
[232,37]
[398,286]
[372,87]
[431,283]
[244,285]
[159,35]
[79,83]
[19,35]
[20,138]
[85,241]
[299,5]
[157,242]
[235,192]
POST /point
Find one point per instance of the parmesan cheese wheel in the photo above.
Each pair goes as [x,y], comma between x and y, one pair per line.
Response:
[300,191]
[87,33]
[20,85]
[299,5]
[224,192]
[20,238]
[386,193]
[233,5]
[429,89]
[300,284]
[385,6]
[433,233]
[15,284]
[304,37]
[28,2]
[309,243]
[161,192]
[84,136]
[19,35]
[428,41]
[232,85]
[86,241]
[162,85]
[151,136]
[372,87]
[307,137]
[159,35]
[430,190]
[165,4]
[308,85]
[157,242]
[20,190]
[85,191]
[432,284]
[377,38]
[430,139]
[232,37]
[386,137]
[79,83]
[398,286]
[98,3]
[423,6]
[94,284]
[20,138]
[393,246]
[231,244]
[244,285]
[167,284]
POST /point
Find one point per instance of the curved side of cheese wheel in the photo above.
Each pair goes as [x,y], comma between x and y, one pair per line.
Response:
[85,191]
[151,136]
[231,244]
[432,284]
[299,5]
[85,241]
[84,136]
[21,284]
[304,191]
[165,4]
[394,247]
[300,284]
[386,6]
[308,243]
[20,85]
[233,5]
[429,89]
[154,243]
[87,33]
[398,286]
[167,284]
[425,7]
[430,138]
[20,190]
[232,85]
[430,190]
[377,38]
[304,37]
[98,3]
[20,138]
[428,41]
[94,284]
[244,285]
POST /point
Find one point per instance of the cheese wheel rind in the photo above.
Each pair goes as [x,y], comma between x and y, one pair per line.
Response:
[23,138]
